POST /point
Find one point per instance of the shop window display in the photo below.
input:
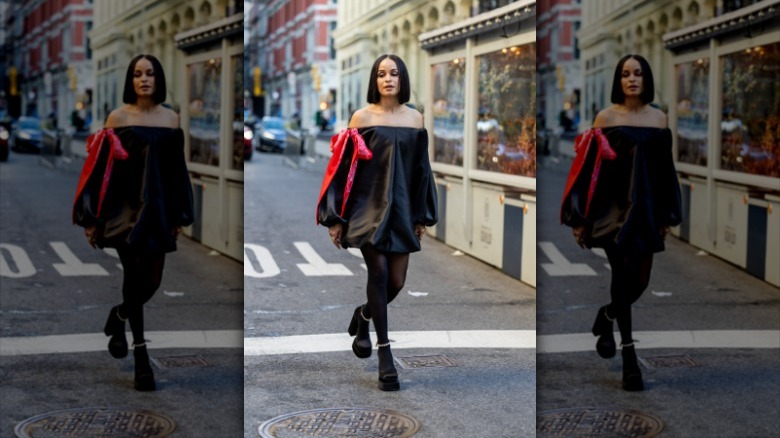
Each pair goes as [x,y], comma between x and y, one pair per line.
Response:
[448,110]
[750,122]
[506,128]
[204,96]
[692,109]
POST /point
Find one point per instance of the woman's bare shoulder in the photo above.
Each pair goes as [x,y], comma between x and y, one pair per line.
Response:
[414,116]
[116,118]
[171,117]
[658,117]
[360,118]
[604,118]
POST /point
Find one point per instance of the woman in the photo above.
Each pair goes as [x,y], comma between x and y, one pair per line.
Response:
[379,195]
[135,195]
[622,195]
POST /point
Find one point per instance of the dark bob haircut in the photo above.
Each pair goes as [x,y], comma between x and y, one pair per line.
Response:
[160,91]
[403,83]
[648,87]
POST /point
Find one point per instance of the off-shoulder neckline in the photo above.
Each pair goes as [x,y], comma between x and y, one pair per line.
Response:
[391,126]
[143,126]
[632,126]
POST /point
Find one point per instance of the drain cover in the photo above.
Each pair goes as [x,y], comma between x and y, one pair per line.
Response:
[613,422]
[425,361]
[94,422]
[341,422]
[681,360]
[180,361]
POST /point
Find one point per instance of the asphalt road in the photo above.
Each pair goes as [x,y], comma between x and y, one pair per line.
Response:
[55,294]
[707,335]
[301,292]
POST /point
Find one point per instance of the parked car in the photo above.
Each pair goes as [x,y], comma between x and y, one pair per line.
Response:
[270,134]
[27,135]
[248,134]
[4,136]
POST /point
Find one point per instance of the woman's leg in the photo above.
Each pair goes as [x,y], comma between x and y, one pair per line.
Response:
[142,278]
[376,290]
[630,277]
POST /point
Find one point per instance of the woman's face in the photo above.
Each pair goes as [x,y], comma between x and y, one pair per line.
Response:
[387,78]
[631,78]
[143,78]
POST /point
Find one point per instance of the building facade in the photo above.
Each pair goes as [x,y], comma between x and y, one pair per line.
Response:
[200,46]
[299,78]
[472,66]
[558,63]
[716,64]
[51,61]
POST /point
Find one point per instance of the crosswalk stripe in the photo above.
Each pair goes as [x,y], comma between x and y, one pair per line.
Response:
[330,342]
[575,342]
[88,342]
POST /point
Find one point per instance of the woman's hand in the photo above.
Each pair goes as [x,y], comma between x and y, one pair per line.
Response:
[663,232]
[335,234]
[419,230]
[175,232]
[579,235]
[90,233]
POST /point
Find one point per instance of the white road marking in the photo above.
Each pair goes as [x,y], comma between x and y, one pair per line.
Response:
[317,266]
[89,342]
[576,342]
[561,266]
[268,267]
[356,252]
[72,266]
[24,266]
[262,346]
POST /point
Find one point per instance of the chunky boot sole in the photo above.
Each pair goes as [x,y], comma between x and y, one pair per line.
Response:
[389,382]
[144,377]
[602,327]
[115,327]
[388,376]
[361,351]
[632,376]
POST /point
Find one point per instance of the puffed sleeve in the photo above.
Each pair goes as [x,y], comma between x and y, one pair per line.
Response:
[671,202]
[85,204]
[333,184]
[425,203]
[574,202]
[185,215]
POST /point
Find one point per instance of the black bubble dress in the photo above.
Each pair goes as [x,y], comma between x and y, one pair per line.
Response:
[135,188]
[623,188]
[391,192]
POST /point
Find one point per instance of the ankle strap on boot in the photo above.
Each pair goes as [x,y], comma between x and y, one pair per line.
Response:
[630,344]
[364,318]
[142,344]
[383,345]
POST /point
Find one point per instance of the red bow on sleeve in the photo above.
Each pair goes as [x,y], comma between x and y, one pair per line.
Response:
[94,146]
[581,147]
[338,145]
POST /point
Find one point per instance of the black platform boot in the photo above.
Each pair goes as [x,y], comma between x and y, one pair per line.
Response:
[358,327]
[115,327]
[602,328]
[388,376]
[144,377]
[632,376]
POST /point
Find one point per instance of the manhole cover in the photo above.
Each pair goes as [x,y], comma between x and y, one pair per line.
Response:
[601,422]
[179,361]
[354,422]
[425,361]
[94,422]
[681,360]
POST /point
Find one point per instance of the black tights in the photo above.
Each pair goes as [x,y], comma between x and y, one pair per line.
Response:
[630,276]
[386,277]
[142,277]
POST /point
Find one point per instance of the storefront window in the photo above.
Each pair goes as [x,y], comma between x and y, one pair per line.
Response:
[750,123]
[237,67]
[692,108]
[449,89]
[506,128]
[204,95]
